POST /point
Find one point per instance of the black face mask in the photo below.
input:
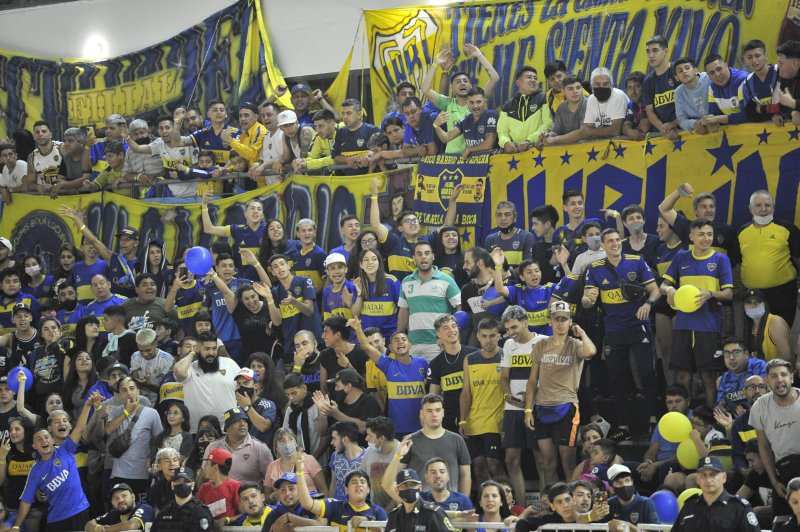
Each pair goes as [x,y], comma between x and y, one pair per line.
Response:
[182,490]
[247,391]
[69,304]
[602,93]
[625,492]
[409,495]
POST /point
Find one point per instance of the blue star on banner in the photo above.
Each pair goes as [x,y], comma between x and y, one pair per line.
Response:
[648,148]
[565,158]
[794,135]
[513,163]
[763,136]
[678,144]
[465,236]
[592,154]
[539,160]
[620,150]
[723,154]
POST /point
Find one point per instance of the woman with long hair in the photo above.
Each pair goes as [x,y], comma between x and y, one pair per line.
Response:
[251,315]
[275,241]
[493,507]
[271,400]
[793,498]
[80,379]
[368,239]
[88,337]
[767,334]
[176,435]
[376,294]
[447,252]
[16,459]
[204,436]
[36,281]
[68,255]
[157,265]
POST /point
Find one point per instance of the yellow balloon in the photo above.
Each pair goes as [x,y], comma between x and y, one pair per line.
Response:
[686,298]
[685,494]
[688,456]
[674,427]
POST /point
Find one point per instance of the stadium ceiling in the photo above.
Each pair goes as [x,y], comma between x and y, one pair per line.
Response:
[7,5]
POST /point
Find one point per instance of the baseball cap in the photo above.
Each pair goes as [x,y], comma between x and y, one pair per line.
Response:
[335,258]
[407,475]
[247,373]
[559,308]
[712,463]
[287,117]
[117,366]
[753,294]
[116,119]
[184,473]
[128,232]
[7,243]
[19,307]
[219,455]
[249,105]
[301,87]
[120,486]
[617,470]
[291,478]
[233,415]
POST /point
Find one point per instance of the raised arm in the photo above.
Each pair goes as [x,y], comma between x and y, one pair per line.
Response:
[588,349]
[181,367]
[388,484]
[444,60]
[33,418]
[363,342]
[475,52]
[375,212]
[227,293]
[452,206]
[667,207]
[208,225]
[499,259]
[138,148]
[78,217]
[308,504]
[80,425]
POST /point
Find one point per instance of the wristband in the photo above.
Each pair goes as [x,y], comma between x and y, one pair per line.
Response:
[397,456]
[529,410]
[126,413]
[462,423]
[300,473]
[296,368]
[83,227]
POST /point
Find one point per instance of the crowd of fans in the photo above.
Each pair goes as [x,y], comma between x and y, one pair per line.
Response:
[292,385]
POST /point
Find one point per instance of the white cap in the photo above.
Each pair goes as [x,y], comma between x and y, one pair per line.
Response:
[333,258]
[247,373]
[7,243]
[286,117]
[616,470]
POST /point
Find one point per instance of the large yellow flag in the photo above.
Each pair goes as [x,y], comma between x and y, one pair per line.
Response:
[337,92]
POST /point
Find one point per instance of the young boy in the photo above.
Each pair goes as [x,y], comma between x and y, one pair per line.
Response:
[112,175]
[759,99]
[636,122]
[691,97]
[568,117]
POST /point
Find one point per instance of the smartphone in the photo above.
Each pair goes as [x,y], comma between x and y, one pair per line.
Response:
[182,271]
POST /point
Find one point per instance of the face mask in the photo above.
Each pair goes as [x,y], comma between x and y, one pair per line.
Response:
[408,495]
[759,220]
[602,93]
[756,312]
[636,227]
[246,391]
[182,490]
[593,242]
[69,304]
[625,493]
[287,449]
[33,270]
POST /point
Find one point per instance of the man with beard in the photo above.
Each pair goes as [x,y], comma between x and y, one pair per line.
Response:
[250,456]
[425,295]
[209,382]
[606,108]
[11,294]
[125,515]
[252,503]
[776,418]
[415,513]
[517,244]
[45,161]
[737,426]
[141,168]
[69,311]
[145,310]
[526,117]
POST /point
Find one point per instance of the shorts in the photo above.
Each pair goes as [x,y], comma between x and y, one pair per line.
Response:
[487,445]
[515,434]
[695,350]
[563,432]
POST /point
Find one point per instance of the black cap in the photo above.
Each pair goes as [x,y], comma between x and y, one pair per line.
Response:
[19,307]
[712,463]
[117,366]
[407,475]
[184,473]
[249,105]
[121,486]
[128,232]
[753,293]
[232,416]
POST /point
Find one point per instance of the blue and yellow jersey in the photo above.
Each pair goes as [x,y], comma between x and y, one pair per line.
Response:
[664,257]
[293,320]
[246,238]
[516,249]
[485,415]
[535,302]
[568,289]
[619,313]
[405,386]
[7,309]
[333,303]
[711,272]
[188,302]
[380,310]
[310,265]
[399,252]
[339,512]
[82,275]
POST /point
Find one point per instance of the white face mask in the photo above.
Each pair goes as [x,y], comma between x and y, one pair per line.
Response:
[593,242]
[33,270]
[762,220]
[755,313]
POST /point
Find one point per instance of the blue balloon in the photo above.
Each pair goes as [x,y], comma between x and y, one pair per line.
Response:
[666,506]
[199,260]
[13,383]
[462,319]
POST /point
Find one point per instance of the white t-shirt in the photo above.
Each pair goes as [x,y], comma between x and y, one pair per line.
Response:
[583,260]
[14,178]
[170,157]
[517,357]
[210,393]
[601,114]
[780,424]
[152,370]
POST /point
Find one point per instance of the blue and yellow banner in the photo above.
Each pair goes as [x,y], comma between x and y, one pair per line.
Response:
[227,57]
[403,42]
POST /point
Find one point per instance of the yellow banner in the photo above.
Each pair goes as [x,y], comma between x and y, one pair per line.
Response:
[403,42]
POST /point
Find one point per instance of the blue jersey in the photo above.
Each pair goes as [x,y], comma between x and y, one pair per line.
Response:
[456,502]
[188,302]
[343,250]
[82,275]
[405,385]
[727,99]
[68,318]
[44,288]
[292,319]
[535,302]
[6,310]
[421,135]
[399,252]
[339,512]
[731,385]
[310,265]
[711,272]
[639,510]
[246,238]
[380,310]
[333,302]
[619,313]
[207,140]
[121,271]
[758,94]
[58,479]
[664,256]
[220,317]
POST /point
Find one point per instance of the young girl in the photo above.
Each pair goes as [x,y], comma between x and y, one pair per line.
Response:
[35,281]
[157,265]
[176,435]
[275,242]
[80,379]
[377,294]
[493,505]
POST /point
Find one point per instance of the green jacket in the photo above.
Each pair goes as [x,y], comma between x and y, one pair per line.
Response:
[524,119]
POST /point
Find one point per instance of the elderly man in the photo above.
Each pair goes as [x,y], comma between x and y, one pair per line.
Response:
[770,249]
[606,107]
[116,130]
[250,456]
[141,168]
